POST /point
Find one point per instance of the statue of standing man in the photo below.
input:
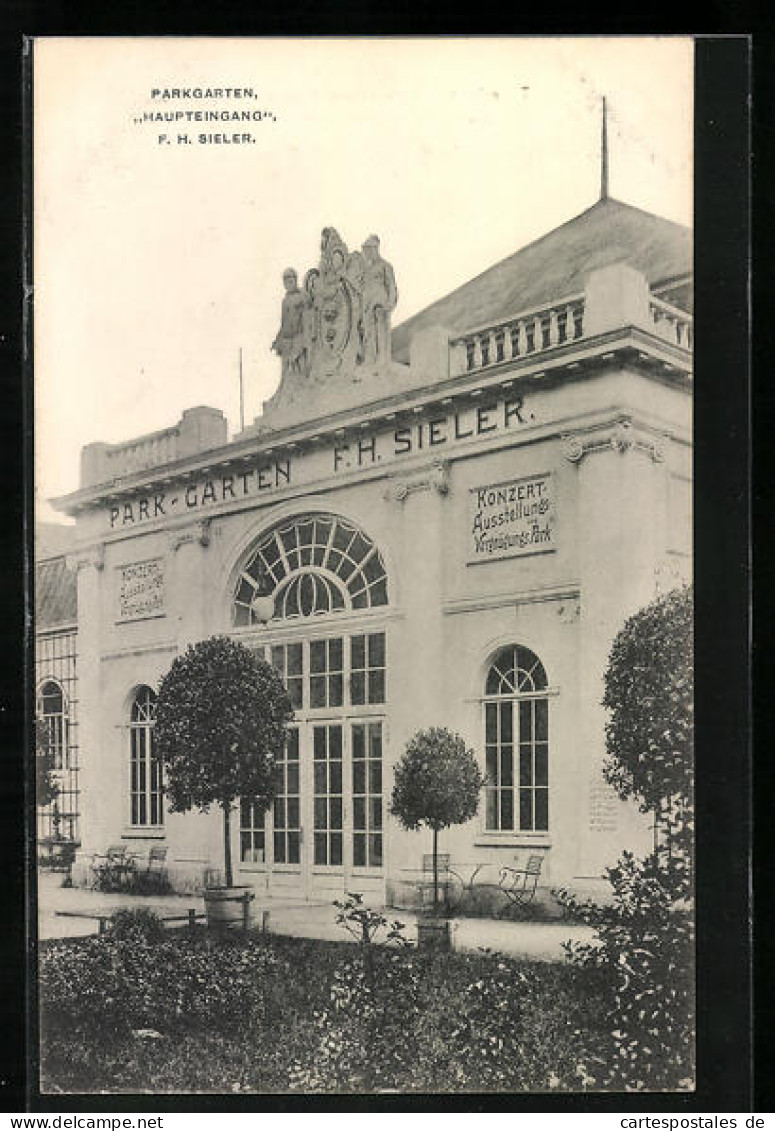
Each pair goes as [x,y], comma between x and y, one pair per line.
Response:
[380,296]
[291,341]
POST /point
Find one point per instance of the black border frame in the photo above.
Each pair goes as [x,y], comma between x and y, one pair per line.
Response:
[722,534]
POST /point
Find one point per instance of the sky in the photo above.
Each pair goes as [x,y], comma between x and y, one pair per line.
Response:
[156,261]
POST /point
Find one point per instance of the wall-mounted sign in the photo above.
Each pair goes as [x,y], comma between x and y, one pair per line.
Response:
[507,520]
[141,590]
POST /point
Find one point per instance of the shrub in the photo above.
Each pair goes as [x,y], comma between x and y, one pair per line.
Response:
[130,925]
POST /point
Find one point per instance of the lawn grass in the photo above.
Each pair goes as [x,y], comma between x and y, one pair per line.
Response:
[275,1014]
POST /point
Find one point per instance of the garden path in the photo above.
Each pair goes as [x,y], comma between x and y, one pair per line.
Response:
[538,941]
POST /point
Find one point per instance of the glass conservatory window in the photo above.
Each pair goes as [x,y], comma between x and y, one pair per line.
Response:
[516,722]
[313,566]
[145,768]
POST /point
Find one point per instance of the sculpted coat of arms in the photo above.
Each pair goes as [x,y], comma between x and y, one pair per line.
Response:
[340,320]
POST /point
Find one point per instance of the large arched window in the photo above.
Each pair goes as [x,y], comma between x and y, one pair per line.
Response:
[516,723]
[53,710]
[145,770]
[312,565]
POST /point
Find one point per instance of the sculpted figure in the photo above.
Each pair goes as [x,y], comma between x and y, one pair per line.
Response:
[291,342]
[380,296]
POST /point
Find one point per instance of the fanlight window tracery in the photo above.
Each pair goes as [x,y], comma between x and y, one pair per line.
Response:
[311,566]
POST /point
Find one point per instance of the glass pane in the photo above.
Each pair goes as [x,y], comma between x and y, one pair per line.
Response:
[245,847]
[292,778]
[525,720]
[359,813]
[335,777]
[359,850]
[377,650]
[321,813]
[335,742]
[542,809]
[359,742]
[317,691]
[293,848]
[379,593]
[336,654]
[525,766]
[492,809]
[335,691]
[295,659]
[320,777]
[375,740]
[507,809]
[542,765]
[292,746]
[358,688]
[507,718]
[491,722]
[278,659]
[542,720]
[335,812]
[491,765]
[359,777]
[375,844]
[375,813]
[526,809]
[279,848]
[279,812]
[293,813]
[317,656]
[295,692]
[321,854]
[358,651]
[336,848]
[376,687]
[507,766]
[375,777]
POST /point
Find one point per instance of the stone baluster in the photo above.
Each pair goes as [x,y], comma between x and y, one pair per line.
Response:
[554,329]
[508,342]
[477,352]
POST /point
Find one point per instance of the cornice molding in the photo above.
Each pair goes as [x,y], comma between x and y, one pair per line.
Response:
[435,476]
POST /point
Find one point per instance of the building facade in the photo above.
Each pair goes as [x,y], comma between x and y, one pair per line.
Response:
[441,524]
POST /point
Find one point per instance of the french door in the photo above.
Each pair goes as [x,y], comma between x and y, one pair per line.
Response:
[325,829]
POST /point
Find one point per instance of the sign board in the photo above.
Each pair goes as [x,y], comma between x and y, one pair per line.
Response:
[511,519]
[141,590]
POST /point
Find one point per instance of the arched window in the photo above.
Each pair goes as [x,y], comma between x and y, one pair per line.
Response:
[145,770]
[516,723]
[311,566]
[53,709]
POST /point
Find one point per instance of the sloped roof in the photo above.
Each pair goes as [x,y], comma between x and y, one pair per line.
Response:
[557,265]
[53,539]
[56,593]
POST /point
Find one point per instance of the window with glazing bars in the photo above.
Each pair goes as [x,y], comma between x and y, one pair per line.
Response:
[367,794]
[287,814]
[145,786]
[252,834]
[288,662]
[53,710]
[516,719]
[328,799]
[367,668]
[326,672]
[313,565]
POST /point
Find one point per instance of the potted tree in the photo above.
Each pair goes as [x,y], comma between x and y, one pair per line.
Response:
[221,721]
[437,784]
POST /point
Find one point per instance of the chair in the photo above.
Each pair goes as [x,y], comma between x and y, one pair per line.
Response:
[157,862]
[519,884]
[444,878]
[113,867]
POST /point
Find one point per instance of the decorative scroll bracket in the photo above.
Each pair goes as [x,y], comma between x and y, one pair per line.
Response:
[621,437]
[200,532]
[83,559]
[435,477]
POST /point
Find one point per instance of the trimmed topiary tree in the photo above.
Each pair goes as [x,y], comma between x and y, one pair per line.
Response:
[649,692]
[437,784]
[221,721]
